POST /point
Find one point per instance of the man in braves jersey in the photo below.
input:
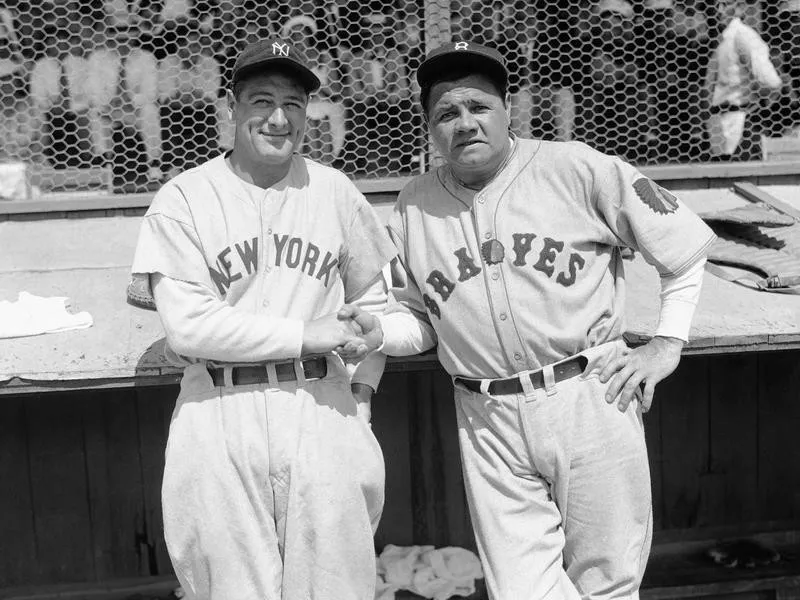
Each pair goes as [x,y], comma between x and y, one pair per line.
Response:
[273,483]
[511,260]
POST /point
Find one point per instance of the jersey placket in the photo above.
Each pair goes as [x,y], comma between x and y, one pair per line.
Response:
[266,219]
[493,260]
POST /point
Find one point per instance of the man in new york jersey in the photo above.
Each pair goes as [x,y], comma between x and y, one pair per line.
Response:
[273,483]
[510,259]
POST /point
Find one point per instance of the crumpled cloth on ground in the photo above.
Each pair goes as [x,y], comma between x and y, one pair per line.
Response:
[35,315]
[426,571]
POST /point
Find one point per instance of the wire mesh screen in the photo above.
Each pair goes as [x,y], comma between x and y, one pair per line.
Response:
[120,95]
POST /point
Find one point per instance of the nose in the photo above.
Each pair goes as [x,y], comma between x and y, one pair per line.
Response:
[277,119]
[466,121]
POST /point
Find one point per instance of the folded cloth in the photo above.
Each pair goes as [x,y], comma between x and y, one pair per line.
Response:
[35,315]
[426,571]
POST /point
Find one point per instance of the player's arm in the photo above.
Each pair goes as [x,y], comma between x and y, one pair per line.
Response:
[402,330]
[650,364]
[675,241]
[199,325]
[366,374]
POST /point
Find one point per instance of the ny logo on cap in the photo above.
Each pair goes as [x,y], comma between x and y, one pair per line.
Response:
[461,45]
[282,49]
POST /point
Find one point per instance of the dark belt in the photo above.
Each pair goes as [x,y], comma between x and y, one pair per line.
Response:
[313,368]
[499,387]
[728,107]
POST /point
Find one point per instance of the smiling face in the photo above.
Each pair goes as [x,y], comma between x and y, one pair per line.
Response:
[468,121]
[270,117]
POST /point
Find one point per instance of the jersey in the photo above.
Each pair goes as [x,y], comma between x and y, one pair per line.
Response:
[298,249]
[528,270]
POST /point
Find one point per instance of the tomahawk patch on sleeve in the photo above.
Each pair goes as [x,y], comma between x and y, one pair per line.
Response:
[654,196]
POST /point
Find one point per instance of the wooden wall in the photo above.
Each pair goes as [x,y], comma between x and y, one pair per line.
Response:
[80,471]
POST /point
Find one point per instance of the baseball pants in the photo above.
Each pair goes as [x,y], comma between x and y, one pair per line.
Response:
[272,491]
[558,486]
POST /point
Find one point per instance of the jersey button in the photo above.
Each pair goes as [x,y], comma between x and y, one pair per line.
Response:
[488,235]
[517,356]
[495,275]
[269,231]
[502,316]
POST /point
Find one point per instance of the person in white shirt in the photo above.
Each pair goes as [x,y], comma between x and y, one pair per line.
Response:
[189,82]
[739,75]
[59,90]
[123,89]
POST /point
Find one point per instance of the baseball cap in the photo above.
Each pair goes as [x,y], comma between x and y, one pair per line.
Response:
[462,54]
[789,6]
[274,53]
[619,7]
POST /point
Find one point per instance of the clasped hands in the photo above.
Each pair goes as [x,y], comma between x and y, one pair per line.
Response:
[351,332]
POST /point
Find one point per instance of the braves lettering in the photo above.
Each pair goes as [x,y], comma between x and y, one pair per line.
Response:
[547,261]
[292,252]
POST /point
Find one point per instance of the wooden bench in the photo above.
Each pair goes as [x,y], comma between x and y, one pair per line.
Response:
[780,148]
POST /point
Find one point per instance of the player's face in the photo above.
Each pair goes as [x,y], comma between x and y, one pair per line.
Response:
[270,116]
[469,121]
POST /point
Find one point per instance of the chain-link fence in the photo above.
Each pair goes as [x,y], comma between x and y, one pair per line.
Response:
[119,95]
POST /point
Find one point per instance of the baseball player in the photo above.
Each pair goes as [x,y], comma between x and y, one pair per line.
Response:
[511,260]
[273,483]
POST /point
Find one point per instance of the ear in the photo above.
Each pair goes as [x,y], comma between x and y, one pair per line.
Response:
[508,106]
[231,104]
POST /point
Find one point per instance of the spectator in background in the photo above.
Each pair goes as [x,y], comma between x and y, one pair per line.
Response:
[381,135]
[189,83]
[59,90]
[17,128]
[123,84]
[325,124]
[740,74]
[784,119]
[611,97]
[669,62]
[510,29]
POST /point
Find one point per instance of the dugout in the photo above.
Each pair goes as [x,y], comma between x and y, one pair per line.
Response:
[84,416]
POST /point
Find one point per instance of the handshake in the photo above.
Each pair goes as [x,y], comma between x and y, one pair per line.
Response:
[352,333]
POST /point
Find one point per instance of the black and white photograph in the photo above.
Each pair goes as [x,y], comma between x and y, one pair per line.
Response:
[400,300]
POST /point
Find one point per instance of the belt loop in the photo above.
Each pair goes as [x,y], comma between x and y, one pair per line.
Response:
[272,375]
[227,377]
[299,372]
[485,386]
[527,386]
[549,380]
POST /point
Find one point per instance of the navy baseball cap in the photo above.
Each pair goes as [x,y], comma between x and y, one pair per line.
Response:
[460,55]
[274,53]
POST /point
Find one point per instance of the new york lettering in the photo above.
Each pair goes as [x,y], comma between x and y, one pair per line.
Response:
[544,261]
[292,252]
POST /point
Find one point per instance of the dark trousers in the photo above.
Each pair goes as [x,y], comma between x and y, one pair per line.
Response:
[68,141]
[190,134]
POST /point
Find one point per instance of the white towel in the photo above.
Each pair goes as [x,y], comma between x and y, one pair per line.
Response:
[34,315]
[432,573]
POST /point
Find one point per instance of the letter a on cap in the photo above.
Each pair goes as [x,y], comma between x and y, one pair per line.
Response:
[282,49]
[461,45]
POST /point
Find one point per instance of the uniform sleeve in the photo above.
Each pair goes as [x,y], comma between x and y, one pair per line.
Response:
[168,242]
[645,216]
[370,370]
[199,325]
[406,327]
[755,52]
[367,251]
[679,296]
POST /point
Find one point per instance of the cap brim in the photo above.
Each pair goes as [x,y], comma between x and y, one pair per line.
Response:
[307,78]
[432,68]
